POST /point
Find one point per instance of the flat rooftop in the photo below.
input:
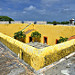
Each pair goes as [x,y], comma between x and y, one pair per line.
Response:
[38,45]
[10,64]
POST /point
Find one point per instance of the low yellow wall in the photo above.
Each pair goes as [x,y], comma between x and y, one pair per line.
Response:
[38,58]
[30,54]
[58,51]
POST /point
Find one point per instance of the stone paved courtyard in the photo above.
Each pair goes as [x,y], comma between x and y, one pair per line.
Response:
[38,45]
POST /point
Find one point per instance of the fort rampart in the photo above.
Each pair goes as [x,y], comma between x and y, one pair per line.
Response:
[38,58]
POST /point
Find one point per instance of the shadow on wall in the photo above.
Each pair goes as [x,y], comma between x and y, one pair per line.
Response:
[22,55]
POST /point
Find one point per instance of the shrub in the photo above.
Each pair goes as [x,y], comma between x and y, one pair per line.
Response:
[36,36]
[20,36]
[62,39]
[5,18]
[54,23]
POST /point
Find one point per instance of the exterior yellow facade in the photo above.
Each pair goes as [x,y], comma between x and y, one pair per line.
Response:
[52,32]
[10,29]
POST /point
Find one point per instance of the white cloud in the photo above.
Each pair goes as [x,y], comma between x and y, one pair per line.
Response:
[48,2]
[0,8]
[24,12]
[18,1]
[14,13]
[41,11]
[66,9]
[30,8]
[9,8]
[0,13]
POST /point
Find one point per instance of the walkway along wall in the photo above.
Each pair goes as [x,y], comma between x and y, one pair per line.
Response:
[38,58]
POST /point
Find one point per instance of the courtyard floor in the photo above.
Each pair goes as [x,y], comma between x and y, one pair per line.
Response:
[38,45]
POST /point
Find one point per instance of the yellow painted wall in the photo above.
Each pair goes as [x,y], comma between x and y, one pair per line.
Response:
[54,53]
[38,58]
[10,29]
[28,35]
[29,53]
[29,27]
[54,32]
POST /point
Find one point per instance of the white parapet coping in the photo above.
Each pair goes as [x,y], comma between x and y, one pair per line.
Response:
[4,22]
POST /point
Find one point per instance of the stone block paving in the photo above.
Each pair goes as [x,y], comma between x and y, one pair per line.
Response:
[38,45]
[10,64]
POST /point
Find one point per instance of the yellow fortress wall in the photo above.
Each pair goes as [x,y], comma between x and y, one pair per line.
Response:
[38,58]
[53,32]
[58,51]
[10,29]
[30,54]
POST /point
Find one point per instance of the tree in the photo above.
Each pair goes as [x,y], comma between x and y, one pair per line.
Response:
[54,22]
[58,22]
[62,39]
[49,22]
[36,36]
[5,18]
[65,22]
[20,36]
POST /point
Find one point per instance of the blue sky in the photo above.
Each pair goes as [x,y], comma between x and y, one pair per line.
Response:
[38,10]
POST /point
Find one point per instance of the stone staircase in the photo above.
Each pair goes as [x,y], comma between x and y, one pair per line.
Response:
[28,31]
[26,26]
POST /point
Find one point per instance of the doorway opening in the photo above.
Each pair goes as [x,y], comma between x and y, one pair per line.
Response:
[30,39]
[22,55]
[45,40]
